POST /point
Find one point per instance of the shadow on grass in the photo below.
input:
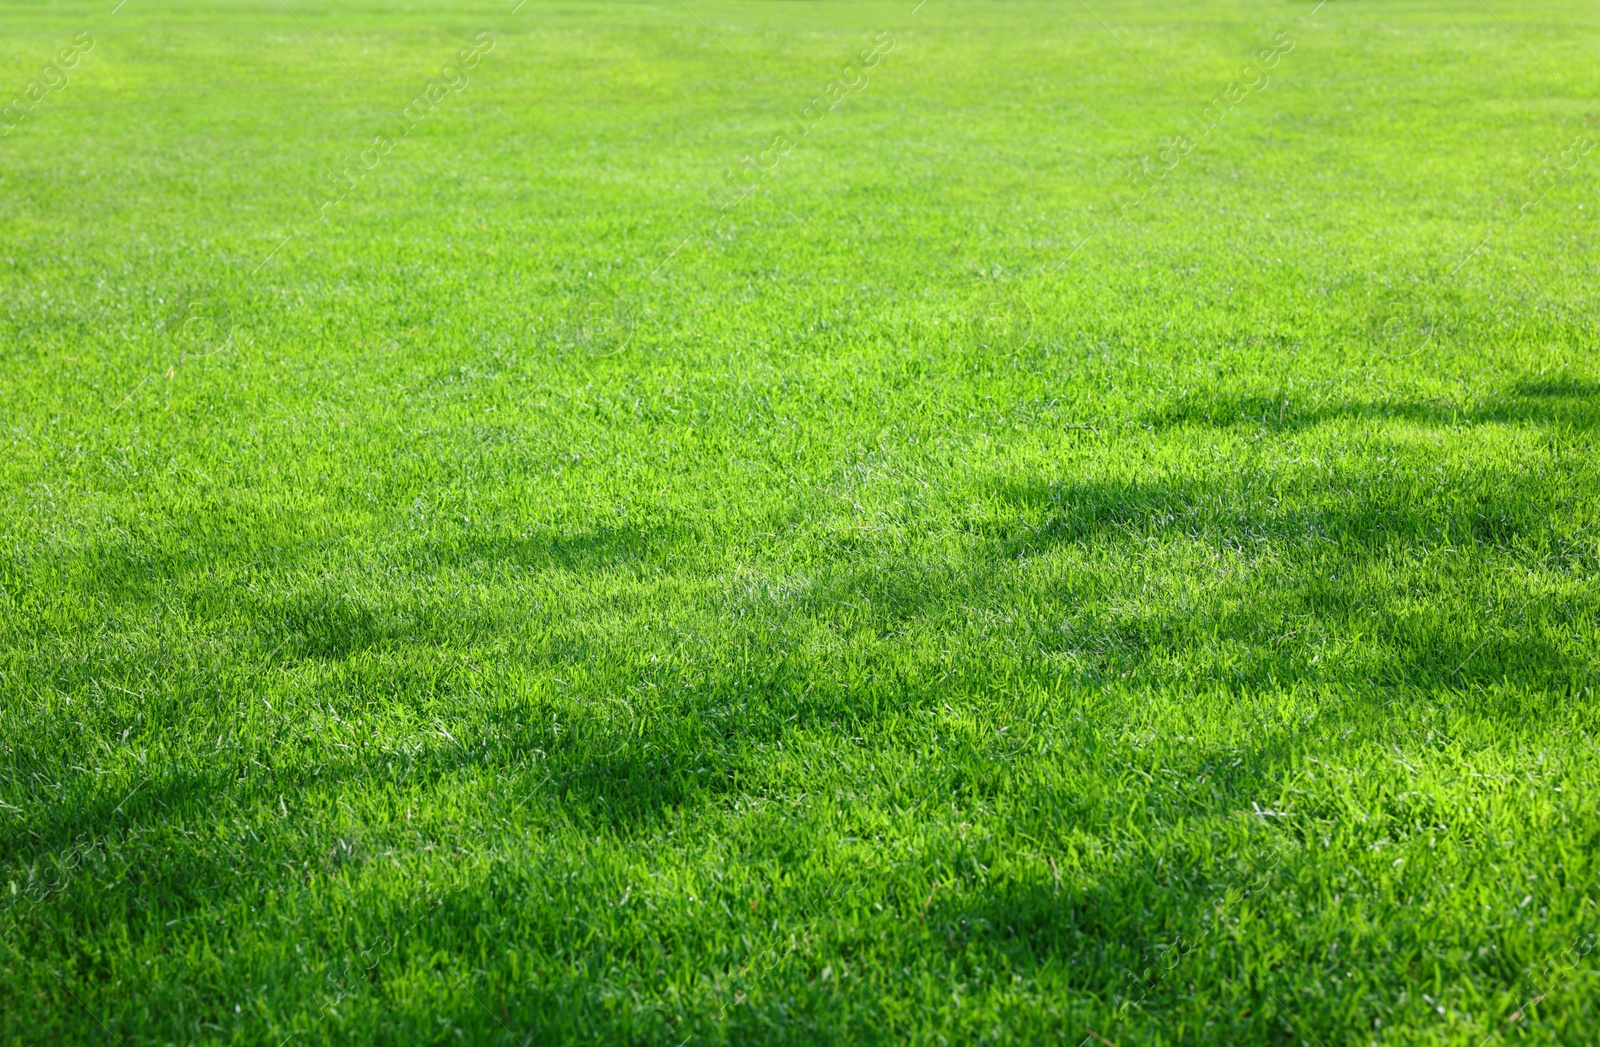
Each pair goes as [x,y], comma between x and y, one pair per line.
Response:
[1319,548]
[1558,403]
[1485,510]
[1307,538]
[612,547]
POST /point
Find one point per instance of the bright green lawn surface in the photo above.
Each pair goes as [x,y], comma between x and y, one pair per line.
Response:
[894,618]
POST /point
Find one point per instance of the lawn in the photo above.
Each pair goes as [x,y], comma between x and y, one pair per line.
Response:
[750,522]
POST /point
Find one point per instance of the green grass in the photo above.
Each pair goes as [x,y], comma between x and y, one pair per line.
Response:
[558,599]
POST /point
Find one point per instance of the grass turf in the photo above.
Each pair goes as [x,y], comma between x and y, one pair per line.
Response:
[936,583]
